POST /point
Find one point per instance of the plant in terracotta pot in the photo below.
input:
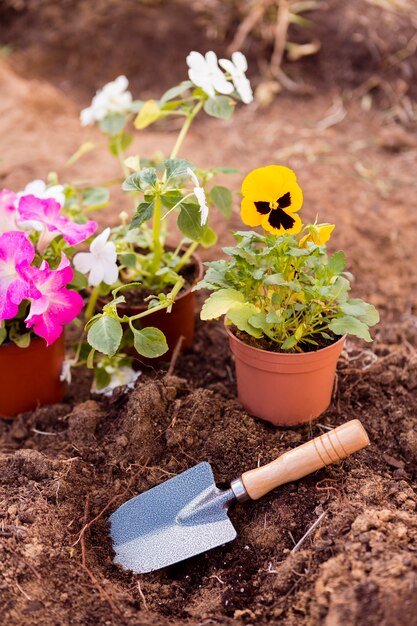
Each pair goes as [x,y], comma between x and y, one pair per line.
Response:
[37,239]
[286,303]
[141,305]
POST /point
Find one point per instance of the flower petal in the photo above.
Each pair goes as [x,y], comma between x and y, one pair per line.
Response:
[294,228]
[111,273]
[248,213]
[83,262]
[96,274]
[269,183]
[240,61]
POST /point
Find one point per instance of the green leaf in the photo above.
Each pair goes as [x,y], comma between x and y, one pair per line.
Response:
[209,238]
[149,342]
[144,212]
[95,197]
[337,262]
[22,340]
[79,281]
[289,343]
[171,198]
[119,143]
[259,321]
[189,221]
[176,168]
[275,279]
[223,199]
[3,334]
[139,181]
[175,91]
[258,273]
[105,335]
[147,177]
[219,303]
[363,311]
[219,106]
[102,377]
[350,325]
[149,113]
[240,314]
[113,124]
[273,318]
[128,259]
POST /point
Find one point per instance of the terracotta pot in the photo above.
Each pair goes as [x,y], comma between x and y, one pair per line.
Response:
[285,389]
[29,377]
[178,323]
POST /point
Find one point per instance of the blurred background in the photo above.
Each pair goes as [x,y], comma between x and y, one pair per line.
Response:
[304,46]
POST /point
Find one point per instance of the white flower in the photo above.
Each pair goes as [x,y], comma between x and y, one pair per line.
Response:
[119,376]
[205,73]
[112,98]
[237,68]
[66,371]
[40,189]
[100,263]
[200,195]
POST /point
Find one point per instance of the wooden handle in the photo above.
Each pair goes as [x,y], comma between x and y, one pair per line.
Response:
[329,448]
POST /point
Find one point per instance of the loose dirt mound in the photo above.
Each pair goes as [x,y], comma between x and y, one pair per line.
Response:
[79,463]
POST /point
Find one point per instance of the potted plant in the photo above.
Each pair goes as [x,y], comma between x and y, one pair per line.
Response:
[141,281]
[286,303]
[37,239]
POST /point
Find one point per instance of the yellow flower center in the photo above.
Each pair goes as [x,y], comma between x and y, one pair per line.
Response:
[273,205]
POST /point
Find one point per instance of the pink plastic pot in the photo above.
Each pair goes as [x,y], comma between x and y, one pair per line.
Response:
[29,377]
[285,389]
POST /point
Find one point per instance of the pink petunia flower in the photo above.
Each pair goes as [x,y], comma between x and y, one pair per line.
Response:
[16,251]
[55,305]
[8,211]
[46,214]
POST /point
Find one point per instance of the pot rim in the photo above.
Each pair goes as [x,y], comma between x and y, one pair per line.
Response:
[181,295]
[284,355]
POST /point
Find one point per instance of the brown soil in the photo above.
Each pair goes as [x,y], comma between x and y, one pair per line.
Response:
[72,464]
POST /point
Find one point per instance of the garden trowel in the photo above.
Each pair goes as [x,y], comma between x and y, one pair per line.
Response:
[187,514]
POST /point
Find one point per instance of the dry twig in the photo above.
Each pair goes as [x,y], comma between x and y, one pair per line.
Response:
[175,356]
[102,592]
[142,596]
[248,24]
[308,533]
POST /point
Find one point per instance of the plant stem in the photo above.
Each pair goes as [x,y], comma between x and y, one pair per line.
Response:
[92,303]
[185,127]
[164,305]
[120,155]
[156,234]
[186,256]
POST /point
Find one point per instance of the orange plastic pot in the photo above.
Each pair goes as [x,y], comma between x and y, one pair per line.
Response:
[29,377]
[284,389]
[178,323]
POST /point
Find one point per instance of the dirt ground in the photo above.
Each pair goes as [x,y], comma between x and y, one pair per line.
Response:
[65,468]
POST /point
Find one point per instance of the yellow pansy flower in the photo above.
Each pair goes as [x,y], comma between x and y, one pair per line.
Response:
[318,234]
[271,198]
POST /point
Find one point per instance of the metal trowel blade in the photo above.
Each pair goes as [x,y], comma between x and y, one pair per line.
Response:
[182,517]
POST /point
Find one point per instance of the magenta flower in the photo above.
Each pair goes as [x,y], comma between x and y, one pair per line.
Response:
[55,305]
[45,215]
[8,211]
[16,251]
